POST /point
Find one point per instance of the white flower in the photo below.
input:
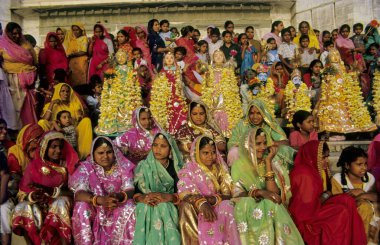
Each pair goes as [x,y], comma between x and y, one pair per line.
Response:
[157,225]
[242,227]
[264,239]
[257,213]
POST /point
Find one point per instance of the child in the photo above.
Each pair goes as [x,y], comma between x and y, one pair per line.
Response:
[305,56]
[165,34]
[179,54]
[202,53]
[175,32]
[287,50]
[304,132]
[138,58]
[64,125]
[358,38]
[145,80]
[355,180]
[93,101]
[215,42]
[272,54]
[327,46]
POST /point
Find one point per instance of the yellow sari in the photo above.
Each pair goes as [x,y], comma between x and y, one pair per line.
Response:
[314,43]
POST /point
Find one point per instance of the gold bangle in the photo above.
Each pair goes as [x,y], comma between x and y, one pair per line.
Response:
[271,178]
[269,174]
[199,203]
[56,192]
[30,199]
[135,196]
[177,200]
[218,199]
[94,201]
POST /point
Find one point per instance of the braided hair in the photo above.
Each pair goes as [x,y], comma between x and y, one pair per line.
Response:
[348,156]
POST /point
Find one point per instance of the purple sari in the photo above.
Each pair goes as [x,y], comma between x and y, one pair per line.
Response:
[98,225]
[138,140]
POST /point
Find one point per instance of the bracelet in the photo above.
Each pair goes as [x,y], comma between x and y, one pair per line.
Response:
[56,192]
[176,201]
[218,199]
[269,174]
[30,199]
[125,199]
[94,201]
[269,178]
[325,195]
[253,193]
[200,202]
[135,196]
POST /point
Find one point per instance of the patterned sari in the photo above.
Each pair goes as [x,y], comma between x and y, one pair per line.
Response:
[99,225]
[197,179]
[157,224]
[138,140]
[48,220]
[262,222]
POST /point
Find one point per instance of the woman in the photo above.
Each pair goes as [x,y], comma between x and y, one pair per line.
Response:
[320,217]
[75,44]
[61,33]
[205,186]
[43,213]
[280,77]
[257,115]
[277,27]
[137,141]
[156,186]
[305,29]
[52,57]
[187,42]
[100,48]
[103,189]
[19,64]
[262,186]
[142,43]
[156,44]
[358,183]
[326,36]
[374,159]
[199,122]
[248,53]
[124,43]
[64,98]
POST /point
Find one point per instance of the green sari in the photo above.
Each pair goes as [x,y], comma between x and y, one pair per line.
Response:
[263,221]
[158,224]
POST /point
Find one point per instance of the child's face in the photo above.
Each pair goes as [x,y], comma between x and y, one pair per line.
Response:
[273,45]
[345,32]
[203,48]
[98,89]
[214,38]
[373,50]
[137,55]
[286,37]
[121,39]
[317,33]
[307,125]
[317,68]
[227,38]
[305,43]
[165,27]
[178,56]
[358,30]
[326,37]
[331,46]
[143,71]
[65,119]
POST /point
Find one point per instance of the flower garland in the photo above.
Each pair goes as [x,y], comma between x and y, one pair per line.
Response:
[266,95]
[376,96]
[295,100]
[208,88]
[160,94]
[121,95]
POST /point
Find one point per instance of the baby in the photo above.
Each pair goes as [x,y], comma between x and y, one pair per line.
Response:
[64,125]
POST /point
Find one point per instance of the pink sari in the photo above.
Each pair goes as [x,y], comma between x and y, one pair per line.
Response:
[195,178]
[98,225]
[138,139]
[99,54]
[144,46]
[188,44]
[374,159]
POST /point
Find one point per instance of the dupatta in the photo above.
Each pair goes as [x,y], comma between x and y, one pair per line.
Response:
[18,53]
[74,44]
[314,43]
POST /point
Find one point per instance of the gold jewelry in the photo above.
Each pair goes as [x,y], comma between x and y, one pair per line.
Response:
[271,178]
[56,192]
[198,105]
[161,136]
[165,165]
[218,199]
[211,142]
[110,171]
[199,203]
[269,174]
[94,201]
[125,199]
[30,199]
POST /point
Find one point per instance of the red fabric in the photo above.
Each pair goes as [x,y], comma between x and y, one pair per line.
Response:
[54,229]
[307,79]
[190,57]
[189,74]
[53,58]
[132,35]
[13,164]
[374,159]
[100,53]
[144,46]
[8,144]
[296,139]
[20,223]
[335,222]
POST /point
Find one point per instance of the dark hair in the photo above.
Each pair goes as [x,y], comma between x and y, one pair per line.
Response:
[165,21]
[224,33]
[227,23]
[195,104]
[11,26]
[270,39]
[286,30]
[299,117]
[49,144]
[180,49]
[259,131]
[291,27]
[144,110]
[173,28]
[335,30]
[99,26]
[100,141]
[240,36]
[303,22]
[376,45]
[30,39]
[201,42]
[58,29]
[304,37]
[124,33]
[196,30]
[279,64]
[344,26]
[325,32]
[150,26]
[186,29]
[348,156]
[2,121]
[157,135]
[95,80]
[249,27]
[137,49]
[275,24]
[316,30]
[327,43]
[215,31]
[312,64]
[205,141]
[357,25]
[60,75]
[59,114]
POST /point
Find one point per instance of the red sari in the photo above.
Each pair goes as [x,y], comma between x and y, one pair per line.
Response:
[188,44]
[334,222]
[49,220]
[144,46]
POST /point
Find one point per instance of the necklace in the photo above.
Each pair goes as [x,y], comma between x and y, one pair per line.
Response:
[110,171]
[165,165]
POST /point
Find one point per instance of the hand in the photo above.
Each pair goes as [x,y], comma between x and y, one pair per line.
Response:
[119,196]
[272,152]
[311,50]
[274,197]
[167,39]
[151,199]
[40,188]
[92,40]
[355,192]
[38,196]
[107,201]
[56,102]
[164,197]
[207,212]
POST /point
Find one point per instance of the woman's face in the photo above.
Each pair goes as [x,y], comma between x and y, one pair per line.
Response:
[104,156]
[334,35]
[207,154]
[358,168]
[304,28]
[61,35]
[218,57]
[15,35]
[169,60]
[261,146]
[54,152]
[156,26]
[121,39]
[140,33]
[326,37]
[198,115]
[293,32]
[243,39]
[145,119]
[98,32]
[203,48]
[317,68]
[64,93]
[3,131]
[76,31]
[279,69]
[53,42]
[279,27]
[255,116]
[250,33]
[345,32]
[161,148]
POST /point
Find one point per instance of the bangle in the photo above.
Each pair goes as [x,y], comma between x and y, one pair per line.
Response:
[200,202]
[125,199]
[135,196]
[94,201]
[269,178]
[30,199]
[176,200]
[269,174]
[56,192]
[325,195]
[218,199]
[253,193]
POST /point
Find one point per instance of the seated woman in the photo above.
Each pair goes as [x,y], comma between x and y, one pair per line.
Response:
[304,131]
[156,186]
[320,217]
[65,99]
[358,183]
[199,122]
[43,213]
[257,115]
[205,186]
[137,141]
[103,188]
[262,191]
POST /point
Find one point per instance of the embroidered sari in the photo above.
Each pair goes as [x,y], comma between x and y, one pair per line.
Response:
[48,220]
[99,225]
[157,224]
[188,44]
[144,46]
[336,221]
[374,159]
[138,140]
[197,179]
[262,222]
[189,131]
[83,125]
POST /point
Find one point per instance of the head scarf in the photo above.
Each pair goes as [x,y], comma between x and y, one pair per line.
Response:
[18,53]
[314,43]
[209,119]
[54,57]
[132,35]
[374,153]
[136,120]
[47,45]
[70,42]
[342,42]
